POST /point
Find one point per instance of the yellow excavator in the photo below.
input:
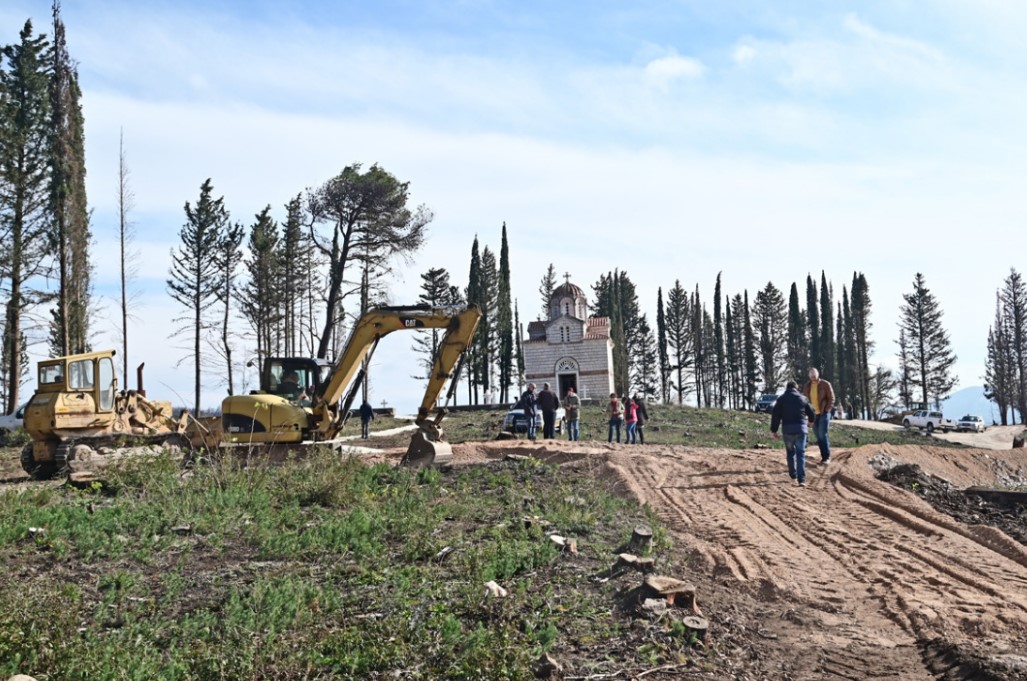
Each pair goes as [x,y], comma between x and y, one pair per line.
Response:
[305,401]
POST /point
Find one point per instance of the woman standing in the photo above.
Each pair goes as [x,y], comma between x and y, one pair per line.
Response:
[613,410]
[631,418]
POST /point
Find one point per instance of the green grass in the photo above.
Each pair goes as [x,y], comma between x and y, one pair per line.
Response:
[321,568]
[681,425]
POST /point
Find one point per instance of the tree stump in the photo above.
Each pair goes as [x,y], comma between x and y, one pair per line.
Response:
[641,539]
[1018,441]
[696,625]
[679,594]
[627,560]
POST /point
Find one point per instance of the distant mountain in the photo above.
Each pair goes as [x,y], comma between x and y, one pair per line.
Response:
[970,401]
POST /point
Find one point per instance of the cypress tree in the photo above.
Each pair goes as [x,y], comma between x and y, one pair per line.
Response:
[699,348]
[504,321]
[474,296]
[772,325]
[731,350]
[827,351]
[797,347]
[751,365]
[228,256]
[861,326]
[718,342]
[816,358]
[1014,305]
[661,347]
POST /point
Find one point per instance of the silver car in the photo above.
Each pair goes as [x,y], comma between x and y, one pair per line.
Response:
[971,424]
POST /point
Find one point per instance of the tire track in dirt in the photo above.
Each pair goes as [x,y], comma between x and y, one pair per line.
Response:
[869,567]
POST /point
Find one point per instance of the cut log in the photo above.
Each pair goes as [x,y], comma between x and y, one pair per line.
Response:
[679,594]
[641,539]
[1018,442]
[517,457]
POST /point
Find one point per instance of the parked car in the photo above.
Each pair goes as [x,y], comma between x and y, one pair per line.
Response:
[929,420]
[971,424]
[515,421]
[9,422]
[766,402]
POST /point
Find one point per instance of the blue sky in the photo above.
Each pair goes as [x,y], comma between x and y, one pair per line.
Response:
[673,140]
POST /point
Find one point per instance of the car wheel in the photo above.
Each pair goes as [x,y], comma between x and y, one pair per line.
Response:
[905,423]
[930,428]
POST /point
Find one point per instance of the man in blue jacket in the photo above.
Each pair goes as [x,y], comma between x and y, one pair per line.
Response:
[792,412]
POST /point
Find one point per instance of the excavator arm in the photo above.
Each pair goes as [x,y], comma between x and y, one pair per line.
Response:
[460,324]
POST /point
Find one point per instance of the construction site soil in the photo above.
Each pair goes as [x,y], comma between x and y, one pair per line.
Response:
[852,576]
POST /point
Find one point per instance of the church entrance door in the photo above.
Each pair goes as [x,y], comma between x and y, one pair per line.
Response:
[567,381]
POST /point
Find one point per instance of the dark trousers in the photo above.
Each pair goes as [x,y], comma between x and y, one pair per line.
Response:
[365,426]
[548,424]
[641,433]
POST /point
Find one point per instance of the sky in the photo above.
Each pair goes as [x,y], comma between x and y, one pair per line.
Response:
[673,140]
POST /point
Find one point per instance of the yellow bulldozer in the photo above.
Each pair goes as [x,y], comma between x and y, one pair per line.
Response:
[305,401]
[77,410]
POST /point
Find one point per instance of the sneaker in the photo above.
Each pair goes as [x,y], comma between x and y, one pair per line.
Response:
[826,461]
[802,483]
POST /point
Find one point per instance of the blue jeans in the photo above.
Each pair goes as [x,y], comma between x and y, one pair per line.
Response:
[820,425]
[795,448]
[532,428]
[614,423]
[573,430]
[632,437]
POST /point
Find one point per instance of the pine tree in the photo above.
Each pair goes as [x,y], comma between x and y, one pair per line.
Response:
[1014,306]
[646,371]
[295,278]
[504,322]
[24,196]
[194,271]
[436,291]
[698,348]
[679,337]
[228,256]
[999,374]
[929,348]
[661,347]
[772,325]
[126,235]
[360,217]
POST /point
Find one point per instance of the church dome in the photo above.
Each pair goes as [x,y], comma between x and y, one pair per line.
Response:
[568,290]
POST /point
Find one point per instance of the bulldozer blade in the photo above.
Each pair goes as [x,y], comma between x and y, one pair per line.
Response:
[423,452]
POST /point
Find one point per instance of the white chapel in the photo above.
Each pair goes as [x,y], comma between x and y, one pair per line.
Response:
[571,349]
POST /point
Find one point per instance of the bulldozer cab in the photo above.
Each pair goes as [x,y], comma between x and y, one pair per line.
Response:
[73,391]
[294,378]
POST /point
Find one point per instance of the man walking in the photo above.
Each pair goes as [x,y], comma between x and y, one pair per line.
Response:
[821,396]
[572,409]
[366,416]
[548,402]
[792,412]
[530,405]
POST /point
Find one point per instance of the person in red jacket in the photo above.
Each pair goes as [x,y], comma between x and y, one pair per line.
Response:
[631,420]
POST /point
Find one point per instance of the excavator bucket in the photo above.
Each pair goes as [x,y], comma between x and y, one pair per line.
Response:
[424,452]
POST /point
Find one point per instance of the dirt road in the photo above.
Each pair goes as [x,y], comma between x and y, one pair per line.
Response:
[995,437]
[852,577]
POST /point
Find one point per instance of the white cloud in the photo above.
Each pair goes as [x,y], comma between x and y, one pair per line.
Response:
[744,53]
[665,71]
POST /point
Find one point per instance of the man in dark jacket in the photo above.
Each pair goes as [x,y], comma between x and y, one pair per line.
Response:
[366,416]
[792,412]
[529,404]
[643,416]
[548,402]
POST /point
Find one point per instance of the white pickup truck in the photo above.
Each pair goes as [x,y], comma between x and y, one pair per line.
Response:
[929,420]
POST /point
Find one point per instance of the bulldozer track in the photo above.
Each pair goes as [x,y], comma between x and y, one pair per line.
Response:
[848,548]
